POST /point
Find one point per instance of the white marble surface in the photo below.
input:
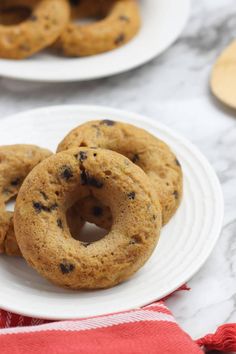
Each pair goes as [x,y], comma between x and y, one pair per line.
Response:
[174,89]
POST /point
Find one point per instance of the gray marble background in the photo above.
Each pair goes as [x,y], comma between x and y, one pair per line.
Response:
[174,89]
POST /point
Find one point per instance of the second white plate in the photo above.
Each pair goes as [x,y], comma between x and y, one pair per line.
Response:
[186,242]
[162,23]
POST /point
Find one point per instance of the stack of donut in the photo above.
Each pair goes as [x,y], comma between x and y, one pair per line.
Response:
[112,174]
[29,26]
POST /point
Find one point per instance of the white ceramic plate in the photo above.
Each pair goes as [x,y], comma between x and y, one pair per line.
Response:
[163,21]
[186,242]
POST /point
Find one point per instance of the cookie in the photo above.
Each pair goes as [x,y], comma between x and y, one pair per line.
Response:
[143,149]
[118,21]
[66,177]
[16,161]
[47,21]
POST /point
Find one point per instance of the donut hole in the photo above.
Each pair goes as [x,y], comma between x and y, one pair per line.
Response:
[10,204]
[84,232]
[90,233]
[86,12]
[14,15]
[87,20]
[88,16]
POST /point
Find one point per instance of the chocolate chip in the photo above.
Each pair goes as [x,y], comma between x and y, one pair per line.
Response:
[120,39]
[40,207]
[82,156]
[108,122]
[37,206]
[94,182]
[97,211]
[66,267]
[154,217]
[15,182]
[66,173]
[59,223]
[124,18]
[86,179]
[44,195]
[33,18]
[131,195]
[176,194]
[177,162]
[135,158]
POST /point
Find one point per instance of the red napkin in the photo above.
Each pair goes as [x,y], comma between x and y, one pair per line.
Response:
[150,330]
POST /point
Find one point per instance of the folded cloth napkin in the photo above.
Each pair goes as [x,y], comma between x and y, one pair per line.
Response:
[151,329]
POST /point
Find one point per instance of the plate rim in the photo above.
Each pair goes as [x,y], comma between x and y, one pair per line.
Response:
[110,72]
[129,117]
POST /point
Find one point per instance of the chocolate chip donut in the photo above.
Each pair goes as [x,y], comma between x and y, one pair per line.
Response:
[143,149]
[16,161]
[47,21]
[118,22]
[43,234]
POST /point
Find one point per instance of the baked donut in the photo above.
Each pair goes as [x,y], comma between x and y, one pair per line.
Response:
[143,149]
[66,177]
[16,161]
[47,21]
[118,22]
